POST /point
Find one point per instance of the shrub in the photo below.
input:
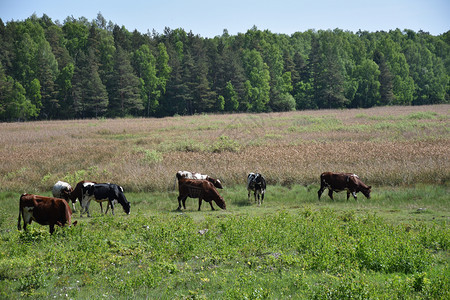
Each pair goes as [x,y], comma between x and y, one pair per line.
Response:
[224,144]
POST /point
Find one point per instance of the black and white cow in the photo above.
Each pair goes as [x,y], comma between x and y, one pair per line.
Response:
[110,192]
[257,184]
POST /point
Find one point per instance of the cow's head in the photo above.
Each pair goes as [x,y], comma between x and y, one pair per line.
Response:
[251,181]
[65,193]
[257,181]
[216,182]
[221,203]
[366,191]
[126,208]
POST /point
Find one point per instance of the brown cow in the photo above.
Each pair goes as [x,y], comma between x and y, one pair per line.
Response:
[337,182]
[44,210]
[191,175]
[201,189]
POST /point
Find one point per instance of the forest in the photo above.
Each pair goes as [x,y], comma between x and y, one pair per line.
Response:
[98,69]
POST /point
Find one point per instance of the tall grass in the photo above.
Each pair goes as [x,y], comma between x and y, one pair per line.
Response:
[385,146]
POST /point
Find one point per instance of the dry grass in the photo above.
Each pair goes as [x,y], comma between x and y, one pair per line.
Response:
[385,146]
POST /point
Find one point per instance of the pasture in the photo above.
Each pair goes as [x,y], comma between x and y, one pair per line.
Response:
[394,245]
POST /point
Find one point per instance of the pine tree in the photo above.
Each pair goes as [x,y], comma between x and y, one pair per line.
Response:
[96,101]
[125,98]
[386,92]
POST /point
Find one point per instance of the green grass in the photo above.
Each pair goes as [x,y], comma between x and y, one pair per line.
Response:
[394,245]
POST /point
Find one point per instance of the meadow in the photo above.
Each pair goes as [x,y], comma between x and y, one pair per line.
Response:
[394,245]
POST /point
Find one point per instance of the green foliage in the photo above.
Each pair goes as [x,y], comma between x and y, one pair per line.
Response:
[79,175]
[151,156]
[85,69]
[277,251]
[225,143]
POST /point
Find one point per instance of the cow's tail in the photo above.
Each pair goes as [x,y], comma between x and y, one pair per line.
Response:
[323,182]
[20,213]
[18,221]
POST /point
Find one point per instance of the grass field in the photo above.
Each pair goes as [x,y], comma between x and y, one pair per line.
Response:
[394,245]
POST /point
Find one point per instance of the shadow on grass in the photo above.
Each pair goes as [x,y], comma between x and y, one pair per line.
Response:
[242,203]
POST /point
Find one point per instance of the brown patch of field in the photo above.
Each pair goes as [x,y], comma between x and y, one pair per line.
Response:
[385,146]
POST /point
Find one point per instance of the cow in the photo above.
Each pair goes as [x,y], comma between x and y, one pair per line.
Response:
[198,188]
[110,192]
[337,182]
[77,192]
[256,184]
[44,210]
[191,175]
[62,190]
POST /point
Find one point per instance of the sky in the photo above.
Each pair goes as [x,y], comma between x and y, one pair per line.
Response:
[209,18]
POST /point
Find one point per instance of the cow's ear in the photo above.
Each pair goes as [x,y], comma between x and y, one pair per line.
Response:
[370,187]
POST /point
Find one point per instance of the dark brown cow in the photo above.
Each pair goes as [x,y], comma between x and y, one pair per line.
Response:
[337,182]
[196,188]
[44,210]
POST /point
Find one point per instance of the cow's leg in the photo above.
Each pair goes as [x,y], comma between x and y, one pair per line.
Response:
[179,202]
[25,221]
[262,196]
[354,195]
[87,207]
[84,205]
[27,216]
[320,191]
[101,207]
[52,228]
[248,195]
[199,203]
[330,193]
[107,208]
[184,202]
[110,202]
[212,207]
[348,195]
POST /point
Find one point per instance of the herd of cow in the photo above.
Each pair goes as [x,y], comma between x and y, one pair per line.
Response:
[56,211]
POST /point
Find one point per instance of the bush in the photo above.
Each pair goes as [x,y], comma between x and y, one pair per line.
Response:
[224,144]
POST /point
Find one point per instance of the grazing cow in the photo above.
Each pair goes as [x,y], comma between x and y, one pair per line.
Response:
[62,190]
[77,192]
[198,188]
[257,184]
[110,192]
[44,210]
[337,182]
[191,175]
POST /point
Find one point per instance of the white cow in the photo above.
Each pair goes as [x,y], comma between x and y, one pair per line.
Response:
[62,190]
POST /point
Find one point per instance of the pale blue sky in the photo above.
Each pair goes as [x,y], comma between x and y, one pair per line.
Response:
[208,18]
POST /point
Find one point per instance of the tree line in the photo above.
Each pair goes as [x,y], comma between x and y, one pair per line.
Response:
[91,69]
